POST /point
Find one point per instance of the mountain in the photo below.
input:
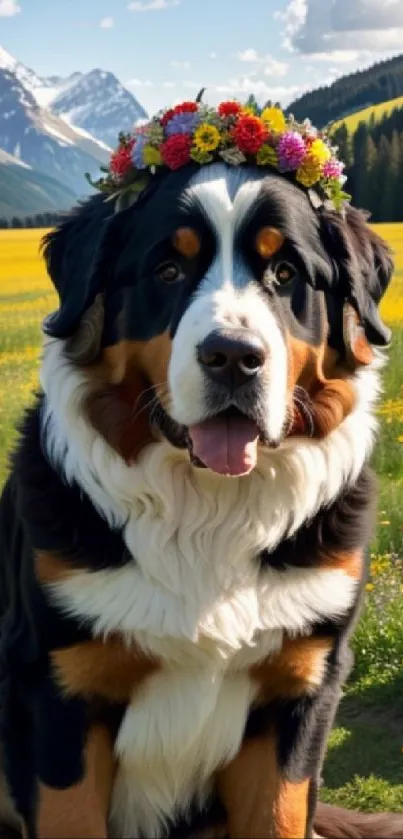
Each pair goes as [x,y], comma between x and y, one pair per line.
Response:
[24,191]
[43,140]
[379,83]
[98,103]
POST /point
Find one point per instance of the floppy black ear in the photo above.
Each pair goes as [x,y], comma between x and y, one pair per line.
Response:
[71,254]
[364,264]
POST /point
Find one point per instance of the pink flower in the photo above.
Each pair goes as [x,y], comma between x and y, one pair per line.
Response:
[333,169]
[291,151]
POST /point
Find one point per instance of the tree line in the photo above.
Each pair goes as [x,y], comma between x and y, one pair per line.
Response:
[379,83]
[374,165]
[38,220]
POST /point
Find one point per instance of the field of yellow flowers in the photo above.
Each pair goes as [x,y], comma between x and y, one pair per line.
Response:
[364,768]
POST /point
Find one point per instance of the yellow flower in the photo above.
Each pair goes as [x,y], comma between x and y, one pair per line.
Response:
[246,111]
[151,156]
[400,438]
[384,523]
[266,156]
[274,119]
[369,587]
[309,172]
[320,152]
[206,137]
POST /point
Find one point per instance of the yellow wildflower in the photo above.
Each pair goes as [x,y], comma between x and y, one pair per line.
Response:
[369,587]
[309,172]
[400,438]
[206,137]
[266,156]
[320,152]
[274,119]
[151,156]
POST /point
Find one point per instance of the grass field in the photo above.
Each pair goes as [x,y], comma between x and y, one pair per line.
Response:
[364,768]
[365,115]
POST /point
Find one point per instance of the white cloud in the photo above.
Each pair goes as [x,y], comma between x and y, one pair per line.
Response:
[107,23]
[152,5]
[168,84]
[180,65]
[343,29]
[212,55]
[9,8]
[248,56]
[272,67]
[139,83]
[245,85]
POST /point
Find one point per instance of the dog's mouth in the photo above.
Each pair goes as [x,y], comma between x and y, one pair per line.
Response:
[226,443]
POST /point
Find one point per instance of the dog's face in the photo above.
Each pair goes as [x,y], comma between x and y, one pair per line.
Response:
[234,314]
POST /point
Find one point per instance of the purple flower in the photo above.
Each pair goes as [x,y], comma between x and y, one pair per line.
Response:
[333,169]
[291,151]
[137,153]
[182,124]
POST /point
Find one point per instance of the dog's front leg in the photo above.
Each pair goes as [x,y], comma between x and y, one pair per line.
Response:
[81,810]
[260,802]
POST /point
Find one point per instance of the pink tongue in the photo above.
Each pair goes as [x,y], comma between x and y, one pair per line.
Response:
[227,446]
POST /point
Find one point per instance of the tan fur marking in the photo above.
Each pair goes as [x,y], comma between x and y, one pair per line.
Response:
[268,241]
[81,811]
[331,394]
[266,806]
[123,381]
[106,669]
[298,669]
[350,563]
[187,242]
[50,568]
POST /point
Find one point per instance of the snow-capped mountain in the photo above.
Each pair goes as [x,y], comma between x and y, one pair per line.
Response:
[40,138]
[99,103]
[96,102]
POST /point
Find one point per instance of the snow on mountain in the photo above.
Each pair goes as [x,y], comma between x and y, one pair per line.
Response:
[9,160]
[38,137]
[98,103]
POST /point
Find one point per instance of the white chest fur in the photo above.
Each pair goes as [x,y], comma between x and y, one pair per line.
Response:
[194,594]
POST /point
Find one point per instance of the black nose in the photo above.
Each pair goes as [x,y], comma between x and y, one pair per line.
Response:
[232,357]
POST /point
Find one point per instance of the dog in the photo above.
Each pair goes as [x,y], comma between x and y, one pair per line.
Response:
[183,531]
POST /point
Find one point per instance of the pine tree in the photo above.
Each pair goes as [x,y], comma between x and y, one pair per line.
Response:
[379,177]
[388,208]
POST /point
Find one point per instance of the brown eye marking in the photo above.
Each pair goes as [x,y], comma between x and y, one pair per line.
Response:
[187,242]
[268,241]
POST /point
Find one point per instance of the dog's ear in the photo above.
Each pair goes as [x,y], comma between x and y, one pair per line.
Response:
[79,256]
[364,267]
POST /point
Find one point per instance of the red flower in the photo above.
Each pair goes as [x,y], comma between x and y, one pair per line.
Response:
[176,150]
[121,159]
[229,109]
[250,133]
[167,116]
[186,108]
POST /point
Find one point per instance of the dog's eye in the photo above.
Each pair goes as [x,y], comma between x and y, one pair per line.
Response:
[170,272]
[284,273]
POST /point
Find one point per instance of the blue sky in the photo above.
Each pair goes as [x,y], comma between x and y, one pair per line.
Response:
[166,49]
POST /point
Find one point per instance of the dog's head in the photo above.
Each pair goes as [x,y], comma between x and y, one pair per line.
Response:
[222,312]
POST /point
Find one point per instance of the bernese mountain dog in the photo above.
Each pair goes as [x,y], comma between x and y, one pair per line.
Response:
[184,527]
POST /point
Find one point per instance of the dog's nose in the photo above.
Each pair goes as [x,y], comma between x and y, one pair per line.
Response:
[232,357]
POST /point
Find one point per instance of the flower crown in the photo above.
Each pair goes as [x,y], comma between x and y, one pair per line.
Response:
[194,133]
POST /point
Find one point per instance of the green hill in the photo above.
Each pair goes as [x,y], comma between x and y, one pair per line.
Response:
[376,111]
[364,89]
[24,191]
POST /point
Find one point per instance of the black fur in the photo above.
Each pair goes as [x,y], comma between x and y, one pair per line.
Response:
[94,252]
